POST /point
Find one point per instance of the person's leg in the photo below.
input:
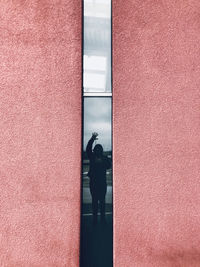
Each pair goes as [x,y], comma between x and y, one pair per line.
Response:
[94,202]
[102,208]
[94,208]
[102,201]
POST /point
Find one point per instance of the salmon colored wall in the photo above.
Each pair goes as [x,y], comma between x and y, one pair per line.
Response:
[156,75]
[40,132]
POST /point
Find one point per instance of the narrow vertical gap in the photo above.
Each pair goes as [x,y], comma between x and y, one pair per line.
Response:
[96,244]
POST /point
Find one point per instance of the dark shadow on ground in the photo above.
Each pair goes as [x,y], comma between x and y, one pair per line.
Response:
[96,243]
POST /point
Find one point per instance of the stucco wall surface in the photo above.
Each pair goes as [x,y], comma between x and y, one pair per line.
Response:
[156,125]
[40,132]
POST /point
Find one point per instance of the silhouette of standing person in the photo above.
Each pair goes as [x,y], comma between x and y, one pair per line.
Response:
[97,174]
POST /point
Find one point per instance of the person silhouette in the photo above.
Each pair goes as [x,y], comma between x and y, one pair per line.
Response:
[97,174]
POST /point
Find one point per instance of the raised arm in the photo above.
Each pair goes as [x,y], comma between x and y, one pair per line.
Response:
[89,145]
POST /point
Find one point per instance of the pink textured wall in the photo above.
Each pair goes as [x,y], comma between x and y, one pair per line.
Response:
[156,72]
[40,132]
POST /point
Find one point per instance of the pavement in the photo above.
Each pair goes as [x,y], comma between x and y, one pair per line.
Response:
[96,243]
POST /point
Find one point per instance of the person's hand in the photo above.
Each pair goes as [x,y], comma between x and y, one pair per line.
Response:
[94,136]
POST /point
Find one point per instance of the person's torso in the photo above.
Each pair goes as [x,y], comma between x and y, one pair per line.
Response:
[97,171]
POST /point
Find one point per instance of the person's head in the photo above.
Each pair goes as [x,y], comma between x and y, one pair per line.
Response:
[98,150]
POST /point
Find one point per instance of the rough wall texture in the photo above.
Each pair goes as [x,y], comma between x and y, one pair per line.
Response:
[40,132]
[156,73]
